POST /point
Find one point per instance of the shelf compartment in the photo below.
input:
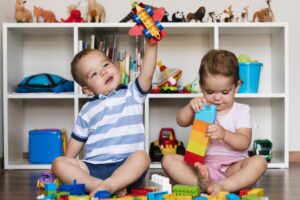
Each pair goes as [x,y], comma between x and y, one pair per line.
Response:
[24,115]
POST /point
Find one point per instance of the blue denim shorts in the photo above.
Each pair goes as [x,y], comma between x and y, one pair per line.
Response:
[103,171]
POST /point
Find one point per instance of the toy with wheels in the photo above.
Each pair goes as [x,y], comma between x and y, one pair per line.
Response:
[148,22]
[45,178]
[167,143]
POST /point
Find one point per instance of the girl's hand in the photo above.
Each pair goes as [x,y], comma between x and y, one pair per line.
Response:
[197,104]
[216,132]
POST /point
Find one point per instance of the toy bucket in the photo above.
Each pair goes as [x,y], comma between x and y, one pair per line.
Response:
[249,75]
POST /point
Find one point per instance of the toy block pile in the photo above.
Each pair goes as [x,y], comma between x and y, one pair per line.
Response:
[198,141]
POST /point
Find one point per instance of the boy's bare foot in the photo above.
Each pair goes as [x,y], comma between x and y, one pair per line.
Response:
[204,180]
[121,193]
[100,187]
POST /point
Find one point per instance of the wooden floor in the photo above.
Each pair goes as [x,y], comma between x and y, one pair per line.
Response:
[281,184]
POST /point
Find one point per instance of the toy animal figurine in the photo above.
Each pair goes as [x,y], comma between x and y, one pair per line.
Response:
[43,15]
[178,17]
[244,14]
[229,14]
[96,12]
[264,15]
[22,14]
[75,15]
[197,16]
[215,17]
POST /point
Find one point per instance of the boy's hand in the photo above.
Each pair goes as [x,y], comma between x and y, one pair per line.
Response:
[216,132]
[197,103]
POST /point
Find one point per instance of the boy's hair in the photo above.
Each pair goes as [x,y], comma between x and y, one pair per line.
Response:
[74,64]
[219,62]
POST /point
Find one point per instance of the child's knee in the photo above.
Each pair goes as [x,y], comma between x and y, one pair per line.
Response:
[143,156]
[261,162]
[57,164]
[167,160]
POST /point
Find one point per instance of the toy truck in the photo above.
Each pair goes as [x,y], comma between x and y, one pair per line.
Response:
[167,143]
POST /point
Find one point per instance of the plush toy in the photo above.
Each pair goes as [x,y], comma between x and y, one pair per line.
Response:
[22,14]
[178,17]
[43,15]
[96,12]
[75,15]
[197,16]
[228,14]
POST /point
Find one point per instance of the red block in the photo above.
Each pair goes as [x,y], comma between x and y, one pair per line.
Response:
[191,158]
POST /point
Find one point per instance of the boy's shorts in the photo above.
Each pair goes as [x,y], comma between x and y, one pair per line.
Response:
[217,166]
[103,171]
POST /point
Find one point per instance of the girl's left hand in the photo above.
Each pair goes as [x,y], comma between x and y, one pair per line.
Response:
[216,132]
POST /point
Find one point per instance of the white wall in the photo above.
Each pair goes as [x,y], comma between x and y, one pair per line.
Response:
[285,11]
[5,16]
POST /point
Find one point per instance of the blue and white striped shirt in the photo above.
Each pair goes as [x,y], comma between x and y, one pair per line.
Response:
[112,126]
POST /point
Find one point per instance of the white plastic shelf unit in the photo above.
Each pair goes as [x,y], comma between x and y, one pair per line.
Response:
[38,48]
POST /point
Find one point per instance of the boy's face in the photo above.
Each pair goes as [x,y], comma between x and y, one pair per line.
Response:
[219,90]
[100,76]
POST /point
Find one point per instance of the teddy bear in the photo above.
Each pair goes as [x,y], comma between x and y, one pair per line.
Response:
[178,17]
[22,14]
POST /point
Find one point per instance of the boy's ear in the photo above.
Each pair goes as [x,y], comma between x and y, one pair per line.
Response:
[86,90]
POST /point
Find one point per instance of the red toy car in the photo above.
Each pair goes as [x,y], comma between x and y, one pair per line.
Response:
[167,143]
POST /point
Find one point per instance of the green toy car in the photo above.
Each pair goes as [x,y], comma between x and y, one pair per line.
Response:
[263,148]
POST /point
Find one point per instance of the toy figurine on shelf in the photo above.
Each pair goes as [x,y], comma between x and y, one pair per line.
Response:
[75,15]
[96,12]
[197,16]
[244,14]
[22,14]
[168,79]
[148,22]
[264,15]
[43,15]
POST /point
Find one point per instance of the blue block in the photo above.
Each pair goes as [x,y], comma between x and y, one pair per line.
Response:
[156,195]
[232,196]
[45,145]
[207,114]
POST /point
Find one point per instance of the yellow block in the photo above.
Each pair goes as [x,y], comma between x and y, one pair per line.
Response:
[199,138]
[196,148]
[257,191]
[200,126]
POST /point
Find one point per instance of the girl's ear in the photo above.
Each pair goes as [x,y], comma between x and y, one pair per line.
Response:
[86,90]
[238,86]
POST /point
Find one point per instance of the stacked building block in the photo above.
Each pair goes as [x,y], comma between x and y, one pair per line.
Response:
[198,141]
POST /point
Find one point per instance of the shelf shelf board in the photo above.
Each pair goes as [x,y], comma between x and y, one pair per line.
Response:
[258,95]
[68,95]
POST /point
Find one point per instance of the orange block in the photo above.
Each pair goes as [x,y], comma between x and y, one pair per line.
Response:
[199,138]
[200,126]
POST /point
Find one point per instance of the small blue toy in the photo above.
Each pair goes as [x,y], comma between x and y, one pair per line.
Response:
[73,189]
[102,194]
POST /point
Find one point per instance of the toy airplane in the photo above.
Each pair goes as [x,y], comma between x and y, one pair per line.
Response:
[148,22]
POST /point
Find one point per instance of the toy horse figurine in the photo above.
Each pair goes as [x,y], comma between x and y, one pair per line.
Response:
[264,15]
[96,12]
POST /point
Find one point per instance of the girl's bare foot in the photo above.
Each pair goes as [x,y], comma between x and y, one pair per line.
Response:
[214,189]
[204,180]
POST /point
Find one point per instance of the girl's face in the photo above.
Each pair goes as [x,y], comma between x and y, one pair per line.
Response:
[220,91]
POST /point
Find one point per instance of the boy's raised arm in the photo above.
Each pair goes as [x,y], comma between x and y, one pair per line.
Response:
[148,66]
